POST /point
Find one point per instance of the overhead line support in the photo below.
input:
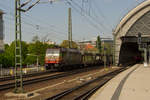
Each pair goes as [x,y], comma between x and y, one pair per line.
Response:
[69,28]
[18,50]
[18,46]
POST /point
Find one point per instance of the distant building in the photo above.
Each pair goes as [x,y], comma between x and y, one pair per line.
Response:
[1,31]
[107,40]
[50,42]
[82,44]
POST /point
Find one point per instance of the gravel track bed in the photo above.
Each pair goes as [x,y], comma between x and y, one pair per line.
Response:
[32,77]
[55,86]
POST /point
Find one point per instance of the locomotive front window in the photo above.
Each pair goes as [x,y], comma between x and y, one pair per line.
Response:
[53,51]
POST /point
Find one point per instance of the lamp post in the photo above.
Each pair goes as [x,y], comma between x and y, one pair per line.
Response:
[37,59]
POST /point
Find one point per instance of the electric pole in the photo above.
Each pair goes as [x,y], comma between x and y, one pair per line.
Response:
[18,39]
[18,52]
[69,28]
[18,47]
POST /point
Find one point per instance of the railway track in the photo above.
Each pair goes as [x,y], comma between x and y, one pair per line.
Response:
[25,75]
[40,79]
[85,90]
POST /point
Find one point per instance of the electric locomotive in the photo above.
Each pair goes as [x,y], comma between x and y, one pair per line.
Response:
[62,58]
[65,58]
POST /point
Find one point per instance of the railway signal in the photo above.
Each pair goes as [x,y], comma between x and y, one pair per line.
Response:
[139,38]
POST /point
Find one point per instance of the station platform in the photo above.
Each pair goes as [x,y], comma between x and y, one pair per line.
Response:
[132,84]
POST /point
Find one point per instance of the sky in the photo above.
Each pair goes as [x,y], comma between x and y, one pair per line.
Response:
[90,18]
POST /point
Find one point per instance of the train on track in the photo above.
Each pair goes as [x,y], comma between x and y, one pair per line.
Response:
[66,58]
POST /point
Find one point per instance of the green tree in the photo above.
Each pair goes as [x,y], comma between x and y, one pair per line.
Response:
[35,38]
[65,44]
[37,48]
[7,58]
[9,54]
[6,46]
[98,44]
[30,60]
[24,51]
[2,59]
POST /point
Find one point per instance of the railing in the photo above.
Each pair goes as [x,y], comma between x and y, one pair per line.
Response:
[7,72]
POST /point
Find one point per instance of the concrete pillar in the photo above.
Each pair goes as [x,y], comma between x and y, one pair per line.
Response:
[149,55]
[145,57]
[1,32]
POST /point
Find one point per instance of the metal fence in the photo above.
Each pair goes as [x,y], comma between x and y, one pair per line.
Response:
[6,72]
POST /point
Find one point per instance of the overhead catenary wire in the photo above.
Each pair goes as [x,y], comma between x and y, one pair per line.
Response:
[37,20]
[33,18]
[24,31]
[91,20]
[91,23]
[27,23]
[62,33]
[86,14]
[31,33]
[57,37]
[99,11]
[65,32]
[94,17]
[47,24]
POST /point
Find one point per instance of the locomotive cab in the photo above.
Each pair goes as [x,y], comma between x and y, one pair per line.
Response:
[52,58]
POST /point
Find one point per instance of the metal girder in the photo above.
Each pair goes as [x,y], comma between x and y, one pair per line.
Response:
[142,25]
[132,39]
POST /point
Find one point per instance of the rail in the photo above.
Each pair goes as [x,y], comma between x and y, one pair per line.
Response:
[40,79]
[101,80]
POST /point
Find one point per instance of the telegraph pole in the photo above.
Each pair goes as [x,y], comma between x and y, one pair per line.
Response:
[69,28]
[18,52]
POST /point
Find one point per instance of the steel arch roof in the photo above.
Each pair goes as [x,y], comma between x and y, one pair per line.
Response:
[131,14]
